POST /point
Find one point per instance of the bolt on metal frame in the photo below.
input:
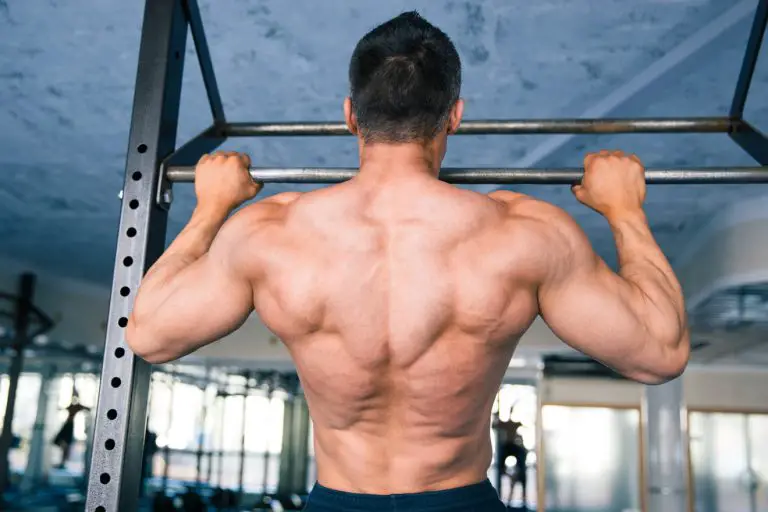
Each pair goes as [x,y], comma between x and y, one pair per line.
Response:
[154,163]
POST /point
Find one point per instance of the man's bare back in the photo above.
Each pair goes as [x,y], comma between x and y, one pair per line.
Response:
[401,310]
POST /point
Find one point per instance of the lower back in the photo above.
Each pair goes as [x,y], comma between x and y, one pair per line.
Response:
[395,430]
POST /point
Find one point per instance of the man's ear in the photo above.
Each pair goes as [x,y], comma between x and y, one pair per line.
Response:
[454,120]
[349,116]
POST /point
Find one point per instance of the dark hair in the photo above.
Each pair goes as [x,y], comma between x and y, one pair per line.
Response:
[405,76]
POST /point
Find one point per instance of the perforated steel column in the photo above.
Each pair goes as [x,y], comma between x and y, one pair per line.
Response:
[121,415]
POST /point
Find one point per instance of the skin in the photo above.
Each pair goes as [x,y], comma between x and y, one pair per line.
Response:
[402,299]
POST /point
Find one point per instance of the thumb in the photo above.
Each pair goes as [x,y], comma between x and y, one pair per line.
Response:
[579,192]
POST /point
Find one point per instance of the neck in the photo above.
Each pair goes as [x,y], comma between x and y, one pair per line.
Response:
[382,160]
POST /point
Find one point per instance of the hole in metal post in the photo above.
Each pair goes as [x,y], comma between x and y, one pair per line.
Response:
[136,176]
[99,509]
[131,232]
[125,291]
[134,204]
[141,148]
[119,352]
[127,261]
[116,382]
[104,478]
[109,444]
[112,414]
[122,322]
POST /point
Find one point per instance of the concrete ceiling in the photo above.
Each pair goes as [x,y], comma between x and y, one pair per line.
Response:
[67,72]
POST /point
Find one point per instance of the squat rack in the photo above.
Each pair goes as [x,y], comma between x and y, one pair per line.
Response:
[154,163]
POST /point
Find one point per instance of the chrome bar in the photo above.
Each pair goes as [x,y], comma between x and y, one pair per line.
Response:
[497,127]
[497,176]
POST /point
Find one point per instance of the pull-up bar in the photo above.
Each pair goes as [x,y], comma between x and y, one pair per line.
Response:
[497,176]
[561,176]
[506,127]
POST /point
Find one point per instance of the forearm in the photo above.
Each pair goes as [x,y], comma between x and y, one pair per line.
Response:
[655,293]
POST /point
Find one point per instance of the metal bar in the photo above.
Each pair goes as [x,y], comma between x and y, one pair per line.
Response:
[536,176]
[121,417]
[752,141]
[188,154]
[665,433]
[192,11]
[20,339]
[265,480]
[243,425]
[168,429]
[285,482]
[220,468]
[34,474]
[507,127]
[201,435]
[750,60]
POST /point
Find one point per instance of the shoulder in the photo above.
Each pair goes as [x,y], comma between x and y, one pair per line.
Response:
[263,212]
[248,223]
[550,232]
[547,218]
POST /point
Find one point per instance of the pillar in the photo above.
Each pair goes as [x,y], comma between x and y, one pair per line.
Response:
[294,456]
[37,470]
[665,429]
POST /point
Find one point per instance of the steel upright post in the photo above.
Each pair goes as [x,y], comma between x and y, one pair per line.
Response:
[121,415]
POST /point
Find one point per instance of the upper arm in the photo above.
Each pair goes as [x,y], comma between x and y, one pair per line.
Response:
[590,307]
[213,296]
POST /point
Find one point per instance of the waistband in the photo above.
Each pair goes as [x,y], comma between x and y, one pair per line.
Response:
[475,495]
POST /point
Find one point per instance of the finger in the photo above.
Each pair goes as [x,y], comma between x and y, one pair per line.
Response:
[588,159]
[618,154]
[204,159]
[604,152]
[635,158]
[246,159]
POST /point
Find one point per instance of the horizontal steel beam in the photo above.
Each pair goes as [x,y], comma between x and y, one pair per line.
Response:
[508,127]
[538,176]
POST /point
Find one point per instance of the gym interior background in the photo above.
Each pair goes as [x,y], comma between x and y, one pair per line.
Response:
[229,424]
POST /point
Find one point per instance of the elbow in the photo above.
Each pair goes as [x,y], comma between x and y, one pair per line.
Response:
[145,344]
[670,363]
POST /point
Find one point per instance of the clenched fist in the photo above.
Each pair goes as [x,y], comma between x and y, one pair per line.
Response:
[223,180]
[613,184]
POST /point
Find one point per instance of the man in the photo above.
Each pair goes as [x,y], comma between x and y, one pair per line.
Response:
[65,437]
[510,444]
[400,298]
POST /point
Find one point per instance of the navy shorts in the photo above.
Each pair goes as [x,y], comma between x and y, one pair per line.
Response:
[480,497]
